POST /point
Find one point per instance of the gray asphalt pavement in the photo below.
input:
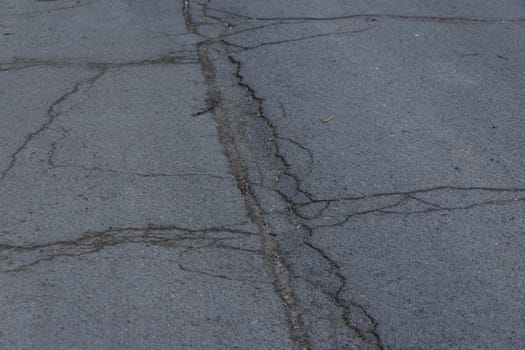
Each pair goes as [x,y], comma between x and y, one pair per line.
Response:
[231,174]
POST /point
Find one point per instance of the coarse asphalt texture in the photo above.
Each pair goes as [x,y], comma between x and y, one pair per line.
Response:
[233,174]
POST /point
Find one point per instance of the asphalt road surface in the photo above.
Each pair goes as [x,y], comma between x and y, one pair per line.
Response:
[233,174]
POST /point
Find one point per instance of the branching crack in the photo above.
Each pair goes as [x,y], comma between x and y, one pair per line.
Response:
[252,201]
[94,241]
[410,203]
[99,68]
[231,129]
[53,112]
[287,41]
[366,333]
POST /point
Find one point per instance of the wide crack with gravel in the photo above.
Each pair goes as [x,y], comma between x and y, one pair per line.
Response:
[286,212]
[261,172]
[114,196]
[309,279]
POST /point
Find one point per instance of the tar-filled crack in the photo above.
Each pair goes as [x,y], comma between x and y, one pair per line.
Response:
[24,256]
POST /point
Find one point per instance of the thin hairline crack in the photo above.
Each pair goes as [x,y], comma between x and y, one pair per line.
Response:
[98,69]
[375,16]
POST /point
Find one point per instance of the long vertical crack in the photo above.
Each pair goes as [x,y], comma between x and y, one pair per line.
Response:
[226,130]
[368,333]
[260,165]
[235,129]
[213,51]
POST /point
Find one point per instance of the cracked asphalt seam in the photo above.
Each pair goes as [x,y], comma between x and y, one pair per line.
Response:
[272,130]
[228,133]
[233,141]
[240,166]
